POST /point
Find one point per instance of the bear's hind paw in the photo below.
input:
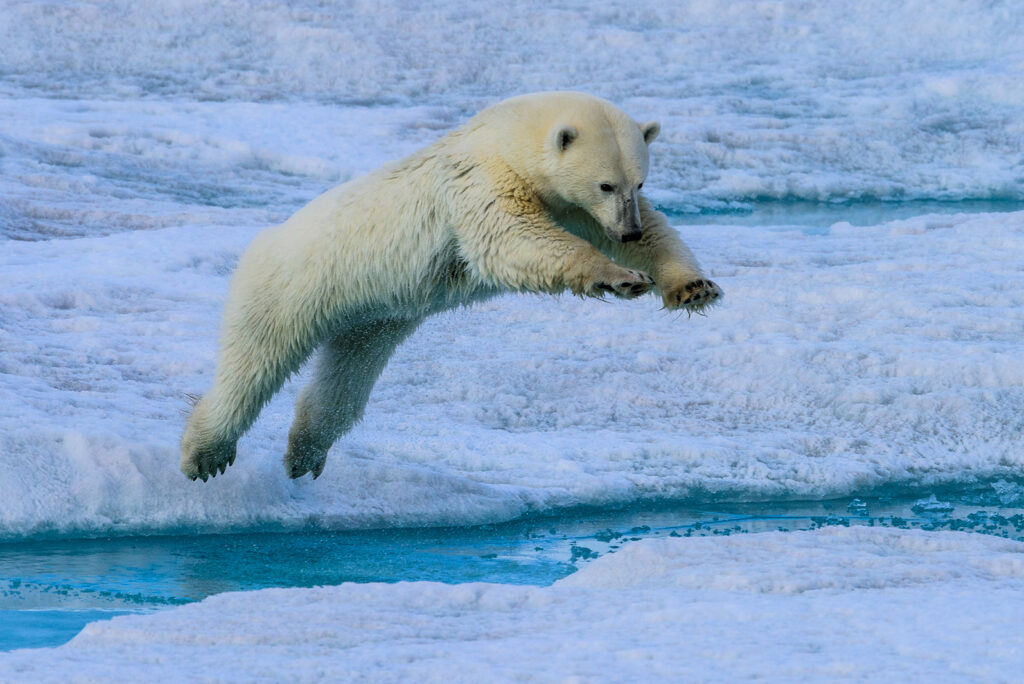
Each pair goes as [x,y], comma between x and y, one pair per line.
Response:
[205,462]
[302,459]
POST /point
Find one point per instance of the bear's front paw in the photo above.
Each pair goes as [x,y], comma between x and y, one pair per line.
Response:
[696,295]
[622,282]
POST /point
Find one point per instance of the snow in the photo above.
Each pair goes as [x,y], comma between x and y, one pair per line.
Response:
[866,357]
[142,149]
[158,113]
[841,603]
[143,145]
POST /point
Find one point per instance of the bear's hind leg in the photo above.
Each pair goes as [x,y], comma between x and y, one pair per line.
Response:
[257,355]
[245,382]
[332,403]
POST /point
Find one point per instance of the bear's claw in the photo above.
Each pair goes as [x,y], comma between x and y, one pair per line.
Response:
[304,457]
[206,462]
[695,296]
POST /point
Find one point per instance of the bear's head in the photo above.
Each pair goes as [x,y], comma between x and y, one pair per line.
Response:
[596,158]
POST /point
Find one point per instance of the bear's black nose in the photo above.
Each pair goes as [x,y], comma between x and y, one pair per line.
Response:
[631,237]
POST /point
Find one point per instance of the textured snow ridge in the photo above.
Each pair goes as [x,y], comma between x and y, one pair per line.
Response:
[864,357]
[837,604]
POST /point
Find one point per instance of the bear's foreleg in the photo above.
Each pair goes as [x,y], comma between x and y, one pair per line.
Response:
[530,252]
[333,402]
[662,253]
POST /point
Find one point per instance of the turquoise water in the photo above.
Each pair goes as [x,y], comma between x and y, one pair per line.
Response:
[820,215]
[55,587]
[42,628]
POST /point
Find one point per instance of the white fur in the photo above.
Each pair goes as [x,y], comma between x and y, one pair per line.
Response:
[510,201]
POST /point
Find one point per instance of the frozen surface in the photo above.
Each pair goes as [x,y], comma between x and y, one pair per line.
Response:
[851,604]
[143,145]
[124,115]
[866,357]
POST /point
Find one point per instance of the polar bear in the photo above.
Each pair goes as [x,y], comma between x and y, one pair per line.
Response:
[538,193]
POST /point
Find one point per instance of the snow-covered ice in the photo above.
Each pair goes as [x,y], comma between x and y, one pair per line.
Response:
[122,115]
[143,145]
[869,356]
[162,136]
[843,603]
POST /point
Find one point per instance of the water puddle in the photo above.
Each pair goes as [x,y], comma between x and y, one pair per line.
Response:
[51,589]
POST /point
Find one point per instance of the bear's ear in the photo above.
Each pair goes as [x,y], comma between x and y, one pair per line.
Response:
[650,130]
[562,137]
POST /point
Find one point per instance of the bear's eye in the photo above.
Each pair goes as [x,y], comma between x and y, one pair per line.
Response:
[640,186]
[607,187]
